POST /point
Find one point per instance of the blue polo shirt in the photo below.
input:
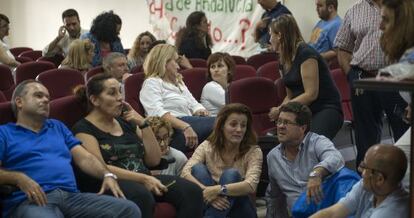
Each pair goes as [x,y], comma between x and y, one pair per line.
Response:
[44,157]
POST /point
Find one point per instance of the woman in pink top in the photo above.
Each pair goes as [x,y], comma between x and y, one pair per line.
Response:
[227,165]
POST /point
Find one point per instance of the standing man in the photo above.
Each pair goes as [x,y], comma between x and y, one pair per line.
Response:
[360,56]
[379,194]
[323,34]
[300,162]
[70,31]
[273,10]
[36,155]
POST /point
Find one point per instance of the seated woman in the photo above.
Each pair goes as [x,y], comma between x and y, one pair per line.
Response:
[163,132]
[306,77]
[110,132]
[194,41]
[140,49]
[220,68]
[6,57]
[228,164]
[165,95]
[80,55]
[104,34]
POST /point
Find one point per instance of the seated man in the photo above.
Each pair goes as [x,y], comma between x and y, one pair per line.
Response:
[35,156]
[379,193]
[116,65]
[300,162]
[70,31]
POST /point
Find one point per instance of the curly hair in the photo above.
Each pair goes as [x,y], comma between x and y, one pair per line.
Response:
[104,27]
[156,123]
[191,31]
[136,51]
[217,138]
[228,60]
[78,53]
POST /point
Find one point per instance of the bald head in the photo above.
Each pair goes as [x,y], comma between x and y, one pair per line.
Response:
[390,159]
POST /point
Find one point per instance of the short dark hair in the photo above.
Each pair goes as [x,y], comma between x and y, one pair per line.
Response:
[228,60]
[334,3]
[302,112]
[5,18]
[20,91]
[70,13]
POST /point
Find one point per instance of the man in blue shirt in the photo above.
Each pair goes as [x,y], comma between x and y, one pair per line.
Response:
[379,194]
[36,155]
[273,10]
[324,33]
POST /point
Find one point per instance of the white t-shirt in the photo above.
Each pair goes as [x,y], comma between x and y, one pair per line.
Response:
[213,97]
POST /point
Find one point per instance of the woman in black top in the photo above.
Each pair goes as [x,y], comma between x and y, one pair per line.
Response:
[194,41]
[110,133]
[306,77]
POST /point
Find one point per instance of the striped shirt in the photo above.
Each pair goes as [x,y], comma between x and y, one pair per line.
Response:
[288,179]
[360,33]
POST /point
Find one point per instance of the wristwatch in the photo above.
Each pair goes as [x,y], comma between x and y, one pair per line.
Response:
[110,175]
[144,125]
[314,174]
[223,190]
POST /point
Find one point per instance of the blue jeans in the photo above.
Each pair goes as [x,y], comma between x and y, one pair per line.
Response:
[239,206]
[201,125]
[67,204]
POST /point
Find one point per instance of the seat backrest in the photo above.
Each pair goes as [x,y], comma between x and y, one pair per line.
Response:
[6,81]
[92,72]
[259,59]
[2,97]
[61,82]
[68,109]
[6,112]
[16,51]
[137,69]
[34,54]
[243,71]
[132,87]
[342,84]
[23,59]
[56,59]
[195,79]
[239,60]
[259,95]
[198,62]
[30,70]
[269,70]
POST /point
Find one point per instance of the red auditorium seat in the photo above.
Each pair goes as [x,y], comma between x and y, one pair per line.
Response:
[34,54]
[16,51]
[2,97]
[243,71]
[269,70]
[6,112]
[239,60]
[259,95]
[6,81]
[198,62]
[137,69]
[56,60]
[23,59]
[61,82]
[259,59]
[133,85]
[195,79]
[30,70]
[92,72]
[68,109]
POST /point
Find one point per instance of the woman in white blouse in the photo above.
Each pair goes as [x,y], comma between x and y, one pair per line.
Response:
[220,72]
[164,94]
[6,57]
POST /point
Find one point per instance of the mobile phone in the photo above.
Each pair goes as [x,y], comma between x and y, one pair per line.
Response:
[170,184]
[124,109]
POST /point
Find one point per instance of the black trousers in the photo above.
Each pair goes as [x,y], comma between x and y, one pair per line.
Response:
[368,109]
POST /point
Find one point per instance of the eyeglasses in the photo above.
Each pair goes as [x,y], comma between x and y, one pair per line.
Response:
[282,122]
[362,166]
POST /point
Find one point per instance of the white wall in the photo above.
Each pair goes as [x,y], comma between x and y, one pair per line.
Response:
[34,23]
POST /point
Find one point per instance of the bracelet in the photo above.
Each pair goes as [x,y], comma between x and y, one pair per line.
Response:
[144,125]
[110,175]
[186,128]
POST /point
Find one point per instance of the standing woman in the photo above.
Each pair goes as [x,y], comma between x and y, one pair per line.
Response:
[104,34]
[140,49]
[118,136]
[220,68]
[228,164]
[80,55]
[306,77]
[194,41]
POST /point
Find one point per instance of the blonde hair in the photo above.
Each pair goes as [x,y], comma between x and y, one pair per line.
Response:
[290,38]
[77,57]
[156,123]
[156,60]
[136,51]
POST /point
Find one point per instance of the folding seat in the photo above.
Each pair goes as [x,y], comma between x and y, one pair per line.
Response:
[239,60]
[259,94]
[34,54]
[132,87]
[23,59]
[195,79]
[16,51]
[6,112]
[198,62]
[30,70]
[2,97]
[7,84]
[243,71]
[259,59]
[92,72]
[269,70]
[61,82]
[137,69]
[56,60]
[68,110]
